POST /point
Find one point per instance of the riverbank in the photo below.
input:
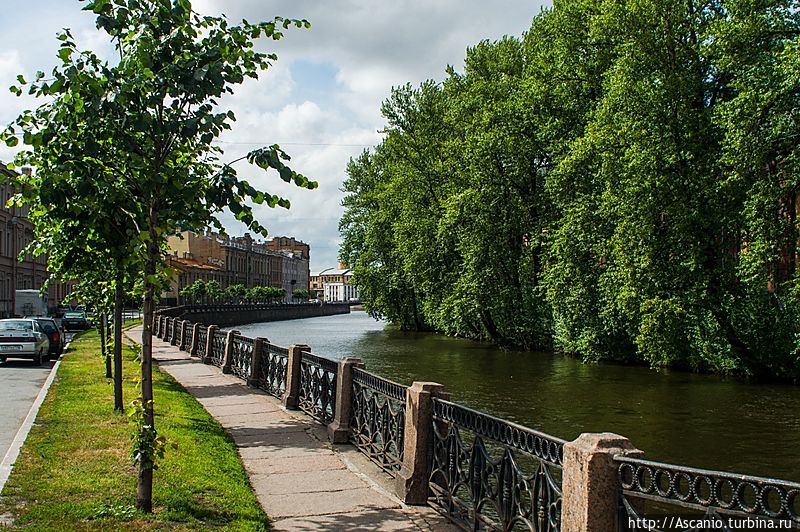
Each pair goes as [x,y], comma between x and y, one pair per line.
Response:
[227,314]
[74,471]
[700,420]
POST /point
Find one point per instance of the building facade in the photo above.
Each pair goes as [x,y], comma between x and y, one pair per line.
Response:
[296,249]
[16,233]
[234,260]
[335,285]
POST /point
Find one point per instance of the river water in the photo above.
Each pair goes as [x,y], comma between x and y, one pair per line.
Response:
[702,421]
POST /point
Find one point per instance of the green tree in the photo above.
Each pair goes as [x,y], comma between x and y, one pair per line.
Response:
[757,47]
[640,244]
[367,226]
[235,293]
[214,291]
[153,117]
[301,294]
[622,180]
[85,238]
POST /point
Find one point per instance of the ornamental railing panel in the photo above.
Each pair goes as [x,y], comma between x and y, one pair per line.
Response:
[723,500]
[217,348]
[317,394]
[377,422]
[186,340]
[491,474]
[242,357]
[202,338]
[273,364]
[167,330]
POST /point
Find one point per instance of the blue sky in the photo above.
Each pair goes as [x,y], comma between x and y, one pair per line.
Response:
[320,101]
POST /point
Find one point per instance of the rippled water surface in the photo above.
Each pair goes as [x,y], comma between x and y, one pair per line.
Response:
[698,420]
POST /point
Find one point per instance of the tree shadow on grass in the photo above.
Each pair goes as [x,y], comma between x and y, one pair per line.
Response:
[197,507]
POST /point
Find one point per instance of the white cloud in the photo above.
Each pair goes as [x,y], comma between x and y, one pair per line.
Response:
[321,116]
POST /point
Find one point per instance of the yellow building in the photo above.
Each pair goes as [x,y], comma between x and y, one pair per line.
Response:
[234,260]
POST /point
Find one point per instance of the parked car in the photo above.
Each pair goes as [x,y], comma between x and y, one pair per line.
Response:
[54,334]
[23,338]
[74,320]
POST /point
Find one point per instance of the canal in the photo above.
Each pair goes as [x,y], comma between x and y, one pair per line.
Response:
[697,420]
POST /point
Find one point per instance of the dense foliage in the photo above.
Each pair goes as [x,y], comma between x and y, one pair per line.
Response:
[201,292]
[621,182]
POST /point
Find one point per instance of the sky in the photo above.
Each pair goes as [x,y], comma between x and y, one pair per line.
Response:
[320,101]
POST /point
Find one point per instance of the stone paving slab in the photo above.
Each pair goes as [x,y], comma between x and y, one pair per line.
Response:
[299,464]
[367,520]
[274,453]
[301,480]
[249,412]
[336,502]
[307,482]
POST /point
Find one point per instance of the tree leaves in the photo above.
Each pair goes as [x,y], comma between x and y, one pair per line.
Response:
[123,150]
[621,181]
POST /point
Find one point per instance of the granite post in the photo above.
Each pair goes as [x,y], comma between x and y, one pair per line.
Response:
[339,428]
[193,346]
[411,484]
[590,482]
[291,398]
[258,345]
[209,343]
[227,359]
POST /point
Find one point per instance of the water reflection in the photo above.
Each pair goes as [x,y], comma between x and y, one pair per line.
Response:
[698,420]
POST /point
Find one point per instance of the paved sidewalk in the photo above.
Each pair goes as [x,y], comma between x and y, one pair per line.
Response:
[301,481]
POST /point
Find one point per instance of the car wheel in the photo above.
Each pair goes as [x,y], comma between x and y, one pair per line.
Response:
[2,359]
[37,359]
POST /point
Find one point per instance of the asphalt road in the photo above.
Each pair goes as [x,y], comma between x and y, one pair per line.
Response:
[20,382]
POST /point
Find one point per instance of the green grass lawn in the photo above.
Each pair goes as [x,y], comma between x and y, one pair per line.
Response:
[74,472]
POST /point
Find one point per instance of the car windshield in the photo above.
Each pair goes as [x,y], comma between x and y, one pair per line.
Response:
[47,326]
[16,325]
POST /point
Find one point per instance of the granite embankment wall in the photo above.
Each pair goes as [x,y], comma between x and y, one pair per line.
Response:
[227,315]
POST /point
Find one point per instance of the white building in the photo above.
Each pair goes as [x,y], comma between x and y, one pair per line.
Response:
[338,292]
[335,285]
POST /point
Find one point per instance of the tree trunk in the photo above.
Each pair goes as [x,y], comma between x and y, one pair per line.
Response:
[104,345]
[119,295]
[144,488]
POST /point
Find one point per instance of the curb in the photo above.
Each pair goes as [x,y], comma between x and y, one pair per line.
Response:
[22,434]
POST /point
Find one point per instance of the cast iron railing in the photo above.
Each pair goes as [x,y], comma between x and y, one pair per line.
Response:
[491,474]
[167,330]
[378,417]
[217,348]
[242,357]
[650,488]
[317,394]
[202,338]
[272,369]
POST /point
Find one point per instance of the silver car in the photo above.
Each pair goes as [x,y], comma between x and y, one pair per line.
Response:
[23,338]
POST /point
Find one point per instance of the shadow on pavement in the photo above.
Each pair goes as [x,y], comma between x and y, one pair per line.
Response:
[22,363]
